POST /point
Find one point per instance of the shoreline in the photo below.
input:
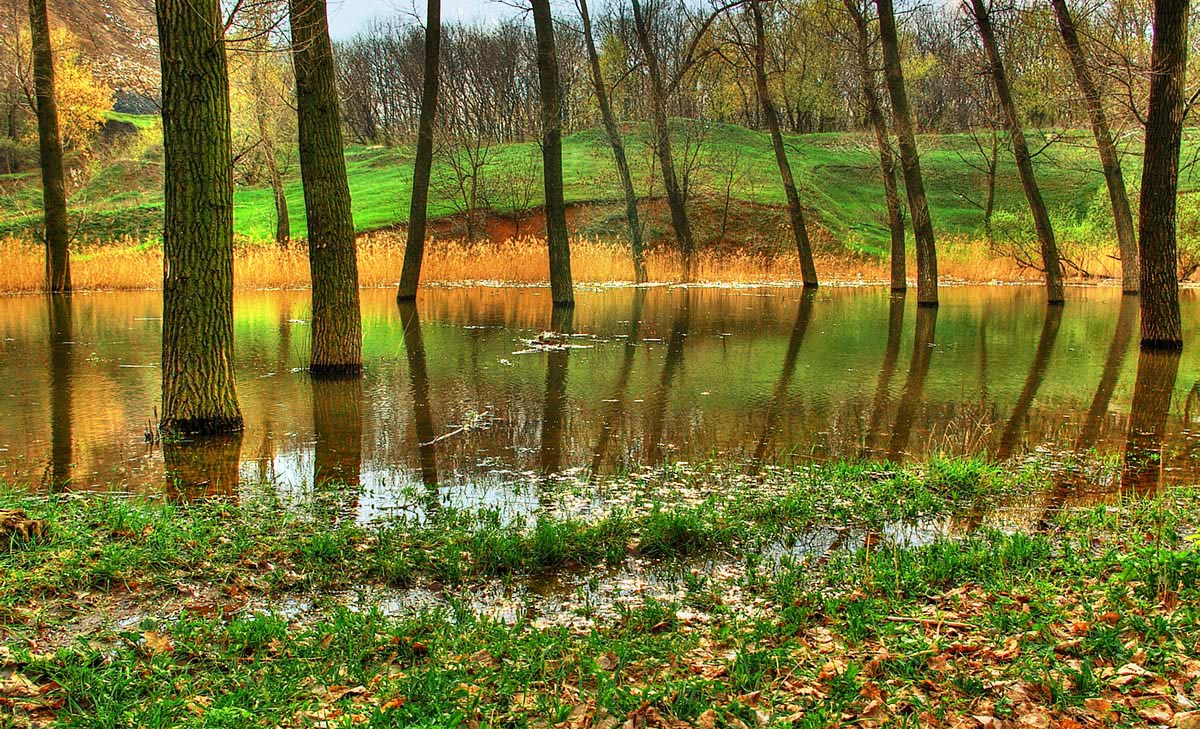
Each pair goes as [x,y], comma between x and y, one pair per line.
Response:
[521,262]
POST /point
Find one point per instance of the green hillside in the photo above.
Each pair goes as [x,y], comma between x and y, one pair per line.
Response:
[837,172]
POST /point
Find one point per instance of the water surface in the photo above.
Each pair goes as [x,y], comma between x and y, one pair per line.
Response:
[462,397]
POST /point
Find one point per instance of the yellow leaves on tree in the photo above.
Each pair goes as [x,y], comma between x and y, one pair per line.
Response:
[82,97]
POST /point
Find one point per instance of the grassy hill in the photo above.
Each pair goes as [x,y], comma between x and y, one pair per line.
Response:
[733,172]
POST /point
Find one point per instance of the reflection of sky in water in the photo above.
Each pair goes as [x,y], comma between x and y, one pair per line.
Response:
[739,376]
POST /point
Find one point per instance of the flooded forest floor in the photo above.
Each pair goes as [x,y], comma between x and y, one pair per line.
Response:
[954,593]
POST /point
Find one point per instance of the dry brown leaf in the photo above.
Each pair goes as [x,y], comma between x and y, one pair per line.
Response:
[1156,714]
[608,662]
[157,643]
[1097,706]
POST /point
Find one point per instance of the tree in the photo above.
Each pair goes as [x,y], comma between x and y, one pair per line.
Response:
[50,152]
[887,164]
[910,160]
[1016,132]
[198,394]
[561,290]
[261,111]
[333,259]
[808,271]
[1110,162]
[1161,325]
[617,144]
[662,144]
[414,249]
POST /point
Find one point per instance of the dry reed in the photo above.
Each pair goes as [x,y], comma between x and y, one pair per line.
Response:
[128,265]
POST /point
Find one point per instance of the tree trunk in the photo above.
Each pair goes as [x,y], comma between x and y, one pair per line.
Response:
[887,165]
[808,271]
[1109,161]
[414,249]
[333,260]
[1161,325]
[618,147]
[1037,206]
[198,394]
[50,152]
[561,288]
[676,200]
[910,159]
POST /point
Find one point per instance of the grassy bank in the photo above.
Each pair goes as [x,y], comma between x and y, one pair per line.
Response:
[124,612]
[735,186]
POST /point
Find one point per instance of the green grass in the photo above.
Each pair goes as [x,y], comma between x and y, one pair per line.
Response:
[1098,615]
[837,174]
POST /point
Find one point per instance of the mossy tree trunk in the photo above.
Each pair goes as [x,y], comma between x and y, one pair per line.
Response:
[618,147]
[1051,264]
[808,271]
[561,289]
[333,260]
[198,394]
[910,159]
[887,164]
[676,199]
[50,152]
[1110,161]
[414,248]
[1161,324]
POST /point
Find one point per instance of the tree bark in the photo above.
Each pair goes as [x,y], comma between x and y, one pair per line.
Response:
[561,289]
[1110,162]
[910,159]
[618,147]
[333,259]
[50,152]
[676,200]
[414,248]
[1161,324]
[1016,133]
[808,271]
[887,165]
[198,393]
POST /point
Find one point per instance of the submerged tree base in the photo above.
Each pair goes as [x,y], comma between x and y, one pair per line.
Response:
[202,426]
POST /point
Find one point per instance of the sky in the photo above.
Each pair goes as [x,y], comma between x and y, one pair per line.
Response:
[346,17]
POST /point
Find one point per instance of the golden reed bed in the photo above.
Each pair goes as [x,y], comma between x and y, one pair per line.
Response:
[130,266]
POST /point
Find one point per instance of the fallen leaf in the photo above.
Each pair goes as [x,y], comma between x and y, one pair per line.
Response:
[157,643]
[608,662]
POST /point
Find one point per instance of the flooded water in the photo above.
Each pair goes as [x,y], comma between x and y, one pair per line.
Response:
[464,395]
